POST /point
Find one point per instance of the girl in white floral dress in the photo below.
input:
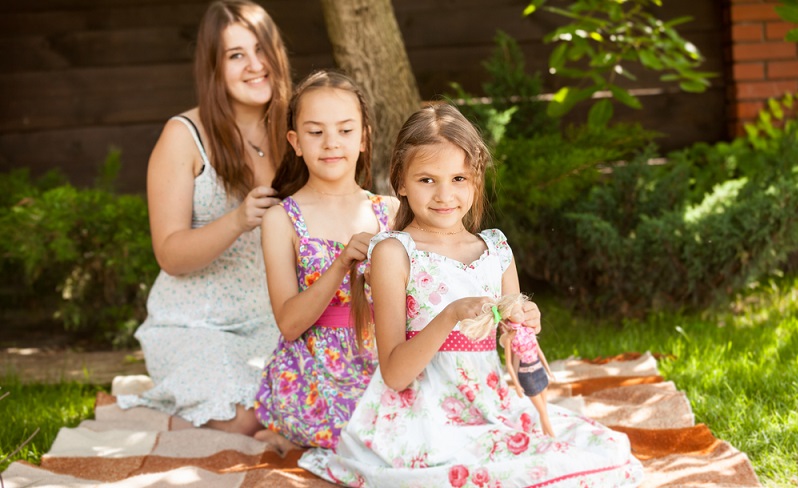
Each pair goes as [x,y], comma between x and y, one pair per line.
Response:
[437,411]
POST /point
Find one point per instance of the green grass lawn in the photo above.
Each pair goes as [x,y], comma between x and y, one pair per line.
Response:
[738,367]
[43,406]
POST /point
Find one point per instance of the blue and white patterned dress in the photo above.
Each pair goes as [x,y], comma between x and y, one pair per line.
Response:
[208,333]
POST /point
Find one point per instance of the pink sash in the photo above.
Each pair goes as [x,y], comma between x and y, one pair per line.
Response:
[336,317]
[456,341]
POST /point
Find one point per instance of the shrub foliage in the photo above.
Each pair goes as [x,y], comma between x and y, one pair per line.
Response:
[594,211]
[88,248]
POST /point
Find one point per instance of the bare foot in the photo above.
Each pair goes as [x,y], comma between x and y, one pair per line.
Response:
[245,422]
[280,444]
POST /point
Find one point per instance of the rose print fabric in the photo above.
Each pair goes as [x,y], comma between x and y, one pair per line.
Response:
[309,388]
[459,424]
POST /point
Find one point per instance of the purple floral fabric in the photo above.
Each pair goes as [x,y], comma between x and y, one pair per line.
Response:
[310,386]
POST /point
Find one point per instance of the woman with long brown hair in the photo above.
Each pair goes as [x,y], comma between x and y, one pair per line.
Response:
[210,327]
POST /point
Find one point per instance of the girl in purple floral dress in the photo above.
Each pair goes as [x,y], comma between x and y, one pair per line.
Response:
[319,369]
[438,411]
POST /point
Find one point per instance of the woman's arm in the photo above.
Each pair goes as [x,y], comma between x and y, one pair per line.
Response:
[178,248]
[295,312]
[402,360]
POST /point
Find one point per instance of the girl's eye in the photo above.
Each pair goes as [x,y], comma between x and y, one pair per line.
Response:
[235,56]
[346,131]
[459,178]
[314,132]
[425,180]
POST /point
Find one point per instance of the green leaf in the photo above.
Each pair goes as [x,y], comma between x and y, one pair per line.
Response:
[533,6]
[600,113]
[625,97]
[572,73]
[792,36]
[650,59]
[775,108]
[565,98]
[677,21]
[693,86]
[788,12]
[788,99]
[557,58]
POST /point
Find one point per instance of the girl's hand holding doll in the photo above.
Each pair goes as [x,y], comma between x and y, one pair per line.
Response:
[531,316]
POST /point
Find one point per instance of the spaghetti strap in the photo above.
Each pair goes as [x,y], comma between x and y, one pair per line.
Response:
[197,139]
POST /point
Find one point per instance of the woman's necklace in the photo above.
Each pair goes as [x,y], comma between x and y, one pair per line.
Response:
[257,149]
[441,233]
[333,194]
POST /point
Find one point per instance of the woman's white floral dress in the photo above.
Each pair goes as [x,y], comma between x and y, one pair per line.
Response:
[459,424]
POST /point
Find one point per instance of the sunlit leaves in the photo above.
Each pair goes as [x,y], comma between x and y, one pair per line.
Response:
[608,39]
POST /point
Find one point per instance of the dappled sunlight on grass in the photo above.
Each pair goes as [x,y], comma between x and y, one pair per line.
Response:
[45,406]
[737,365]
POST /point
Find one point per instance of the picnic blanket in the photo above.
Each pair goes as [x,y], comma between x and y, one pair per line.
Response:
[142,447]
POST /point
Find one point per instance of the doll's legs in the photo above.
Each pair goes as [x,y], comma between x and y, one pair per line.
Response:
[534,381]
[539,401]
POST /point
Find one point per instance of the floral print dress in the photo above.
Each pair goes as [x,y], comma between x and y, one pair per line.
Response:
[459,424]
[309,388]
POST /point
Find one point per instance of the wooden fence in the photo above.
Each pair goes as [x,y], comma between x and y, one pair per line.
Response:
[82,76]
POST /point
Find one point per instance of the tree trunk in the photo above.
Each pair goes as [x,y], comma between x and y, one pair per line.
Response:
[368,45]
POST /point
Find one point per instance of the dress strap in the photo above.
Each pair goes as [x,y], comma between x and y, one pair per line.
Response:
[380,210]
[403,237]
[293,211]
[194,134]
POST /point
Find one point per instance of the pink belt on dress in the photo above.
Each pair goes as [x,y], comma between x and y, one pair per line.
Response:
[336,317]
[456,341]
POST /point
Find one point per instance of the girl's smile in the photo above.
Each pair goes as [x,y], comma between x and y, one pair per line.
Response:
[246,68]
[439,187]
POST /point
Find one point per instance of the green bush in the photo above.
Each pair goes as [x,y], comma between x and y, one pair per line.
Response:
[510,93]
[595,212]
[645,236]
[634,245]
[86,250]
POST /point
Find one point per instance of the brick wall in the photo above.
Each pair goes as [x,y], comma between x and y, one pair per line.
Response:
[762,64]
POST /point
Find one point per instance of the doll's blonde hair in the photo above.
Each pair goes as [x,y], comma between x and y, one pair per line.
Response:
[479,328]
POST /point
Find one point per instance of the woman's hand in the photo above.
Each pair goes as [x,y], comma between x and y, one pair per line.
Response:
[251,210]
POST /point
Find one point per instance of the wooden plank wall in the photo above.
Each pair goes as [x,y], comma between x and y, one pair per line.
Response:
[81,76]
